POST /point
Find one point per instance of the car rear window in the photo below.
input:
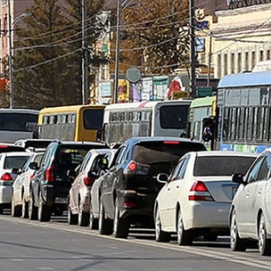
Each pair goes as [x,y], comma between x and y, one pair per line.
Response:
[10,148]
[15,161]
[221,165]
[163,151]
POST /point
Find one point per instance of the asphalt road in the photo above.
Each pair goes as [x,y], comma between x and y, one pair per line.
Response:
[30,245]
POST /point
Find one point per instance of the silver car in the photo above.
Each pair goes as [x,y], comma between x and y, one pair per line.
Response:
[21,186]
[250,213]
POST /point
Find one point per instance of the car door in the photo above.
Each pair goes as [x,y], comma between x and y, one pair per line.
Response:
[170,195]
[112,177]
[246,199]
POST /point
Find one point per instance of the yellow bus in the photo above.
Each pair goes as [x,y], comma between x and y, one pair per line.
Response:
[71,123]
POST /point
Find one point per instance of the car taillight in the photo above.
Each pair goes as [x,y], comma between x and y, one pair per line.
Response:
[199,192]
[6,177]
[129,204]
[137,168]
[132,166]
[31,176]
[88,181]
[50,174]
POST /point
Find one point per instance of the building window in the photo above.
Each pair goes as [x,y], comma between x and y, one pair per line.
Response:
[232,62]
[246,61]
[268,54]
[219,66]
[261,55]
[239,62]
[225,64]
[253,59]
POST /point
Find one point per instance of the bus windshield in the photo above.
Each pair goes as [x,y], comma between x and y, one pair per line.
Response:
[18,122]
[174,116]
[93,119]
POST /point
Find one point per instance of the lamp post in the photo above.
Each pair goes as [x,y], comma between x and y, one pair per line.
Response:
[10,49]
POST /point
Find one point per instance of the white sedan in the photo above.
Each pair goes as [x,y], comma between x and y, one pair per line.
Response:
[196,197]
[250,214]
[10,163]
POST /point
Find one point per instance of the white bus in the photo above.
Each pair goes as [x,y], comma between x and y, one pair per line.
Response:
[17,124]
[154,118]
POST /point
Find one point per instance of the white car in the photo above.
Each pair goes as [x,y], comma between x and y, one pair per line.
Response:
[250,213]
[196,198]
[21,185]
[10,163]
[79,193]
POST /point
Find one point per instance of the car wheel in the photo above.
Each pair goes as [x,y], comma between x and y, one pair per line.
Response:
[184,237]
[32,209]
[15,210]
[105,226]
[160,235]
[72,219]
[1,209]
[44,212]
[264,243]
[237,244]
[24,209]
[93,222]
[121,225]
[83,217]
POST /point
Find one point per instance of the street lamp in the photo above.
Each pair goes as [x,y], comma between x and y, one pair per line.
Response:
[10,49]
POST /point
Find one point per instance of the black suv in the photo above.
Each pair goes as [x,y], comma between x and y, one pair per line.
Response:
[50,185]
[129,188]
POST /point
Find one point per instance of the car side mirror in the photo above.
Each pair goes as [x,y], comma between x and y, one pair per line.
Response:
[34,166]
[238,178]
[71,174]
[162,178]
[16,171]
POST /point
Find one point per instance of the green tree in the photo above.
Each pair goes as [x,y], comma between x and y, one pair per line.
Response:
[48,55]
[158,32]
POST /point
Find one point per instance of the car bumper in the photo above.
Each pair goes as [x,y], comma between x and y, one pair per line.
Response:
[206,215]
[5,194]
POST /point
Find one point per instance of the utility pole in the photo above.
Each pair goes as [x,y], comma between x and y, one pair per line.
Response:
[85,71]
[11,103]
[116,81]
[192,50]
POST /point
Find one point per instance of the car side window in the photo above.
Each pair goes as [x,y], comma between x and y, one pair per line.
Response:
[121,156]
[179,171]
[258,170]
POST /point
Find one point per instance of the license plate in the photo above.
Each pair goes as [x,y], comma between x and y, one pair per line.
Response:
[61,200]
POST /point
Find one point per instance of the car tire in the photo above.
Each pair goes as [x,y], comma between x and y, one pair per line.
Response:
[24,208]
[44,212]
[160,235]
[237,244]
[184,237]
[93,222]
[121,225]
[15,210]
[105,226]
[264,243]
[83,217]
[32,209]
[1,209]
[72,219]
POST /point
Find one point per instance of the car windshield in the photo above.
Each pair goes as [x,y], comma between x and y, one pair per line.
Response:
[15,161]
[221,165]
[162,151]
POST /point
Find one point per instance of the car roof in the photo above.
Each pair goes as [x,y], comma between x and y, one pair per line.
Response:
[224,153]
[159,138]
[6,147]
[94,143]
[17,154]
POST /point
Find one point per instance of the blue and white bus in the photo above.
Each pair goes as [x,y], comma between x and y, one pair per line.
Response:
[17,124]
[244,112]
